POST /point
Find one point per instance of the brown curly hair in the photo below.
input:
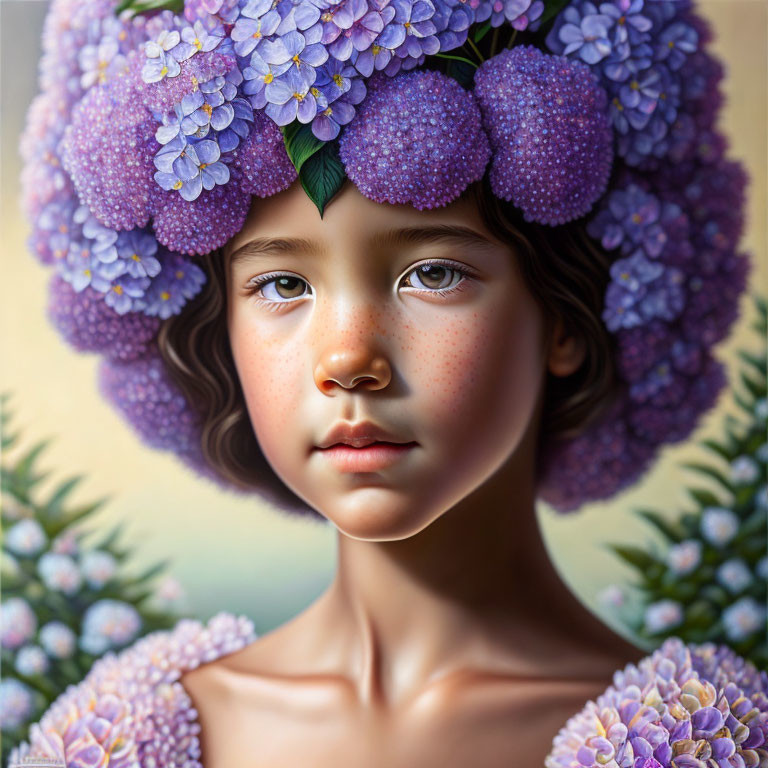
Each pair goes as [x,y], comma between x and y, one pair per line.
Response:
[564,269]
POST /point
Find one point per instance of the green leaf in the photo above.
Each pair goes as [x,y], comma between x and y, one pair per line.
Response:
[317,162]
[757,362]
[704,498]
[668,529]
[635,556]
[710,472]
[73,515]
[482,31]
[322,175]
[53,506]
[719,449]
[300,143]
[755,388]
[142,6]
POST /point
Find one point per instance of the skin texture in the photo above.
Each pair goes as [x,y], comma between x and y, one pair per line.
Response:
[446,637]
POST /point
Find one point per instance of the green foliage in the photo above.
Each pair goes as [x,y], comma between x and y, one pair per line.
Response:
[60,529]
[317,163]
[143,6]
[737,477]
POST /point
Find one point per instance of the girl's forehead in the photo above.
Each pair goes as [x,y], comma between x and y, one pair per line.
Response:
[351,217]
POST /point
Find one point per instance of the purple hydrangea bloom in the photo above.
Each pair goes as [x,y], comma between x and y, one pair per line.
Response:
[87,322]
[521,14]
[124,291]
[680,702]
[178,282]
[142,391]
[138,249]
[292,97]
[411,32]
[630,217]
[546,120]
[353,25]
[198,226]
[581,29]
[190,167]
[256,24]
[160,61]
[417,138]
[340,111]
[261,161]
[197,38]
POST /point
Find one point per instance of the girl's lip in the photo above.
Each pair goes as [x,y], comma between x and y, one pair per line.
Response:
[368,459]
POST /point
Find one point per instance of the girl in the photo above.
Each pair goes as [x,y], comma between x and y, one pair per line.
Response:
[520,264]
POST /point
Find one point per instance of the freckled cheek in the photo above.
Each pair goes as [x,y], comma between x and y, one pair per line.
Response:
[269,375]
[480,367]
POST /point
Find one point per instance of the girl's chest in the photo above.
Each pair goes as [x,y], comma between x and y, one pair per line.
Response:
[488,725]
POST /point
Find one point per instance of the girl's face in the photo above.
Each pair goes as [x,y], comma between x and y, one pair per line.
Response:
[417,321]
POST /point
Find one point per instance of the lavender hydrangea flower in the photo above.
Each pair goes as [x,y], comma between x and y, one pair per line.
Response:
[98,567]
[257,23]
[683,558]
[257,76]
[124,291]
[16,704]
[290,97]
[137,249]
[734,575]
[719,525]
[18,624]
[411,29]
[581,29]
[197,38]
[26,537]
[178,282]
[96,61]
[353,26]
[109,624]
[58,640]
[189,167]
[744,470]
[744,618]
[31,661]
[662,616]
[160,62]
[59,573]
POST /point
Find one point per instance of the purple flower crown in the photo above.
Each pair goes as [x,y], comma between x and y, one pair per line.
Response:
[153,131]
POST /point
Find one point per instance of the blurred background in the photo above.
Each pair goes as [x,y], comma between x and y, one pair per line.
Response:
[239,554]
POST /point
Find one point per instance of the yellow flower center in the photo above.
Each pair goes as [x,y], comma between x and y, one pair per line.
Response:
[269,77]
[376,49]
[179,274]
[339,80]
[87,272]
[197,44]
[636,218]
[618,104]
[328,112]
[314,91]
[177,184]
[203,165]
[165,295]
[257,34]
[136,257]
[298,96]
[296,60]
[118,289]
[164,71]
[407,25]
[208,109]
[671,43]
[634,85]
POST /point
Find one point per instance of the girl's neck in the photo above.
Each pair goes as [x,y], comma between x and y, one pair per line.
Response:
[474,589]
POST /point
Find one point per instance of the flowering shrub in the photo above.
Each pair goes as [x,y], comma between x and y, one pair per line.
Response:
[64,603]
[711,581]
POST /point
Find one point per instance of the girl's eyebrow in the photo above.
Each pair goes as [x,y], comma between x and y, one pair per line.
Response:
[446,233]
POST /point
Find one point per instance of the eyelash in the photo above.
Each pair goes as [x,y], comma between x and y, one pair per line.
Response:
[255,284]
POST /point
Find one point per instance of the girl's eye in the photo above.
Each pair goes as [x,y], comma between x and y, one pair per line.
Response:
[433,277]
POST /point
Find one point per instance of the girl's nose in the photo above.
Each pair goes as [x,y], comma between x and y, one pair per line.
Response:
[348,367]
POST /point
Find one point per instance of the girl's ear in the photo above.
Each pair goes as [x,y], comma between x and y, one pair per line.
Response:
[566,351]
